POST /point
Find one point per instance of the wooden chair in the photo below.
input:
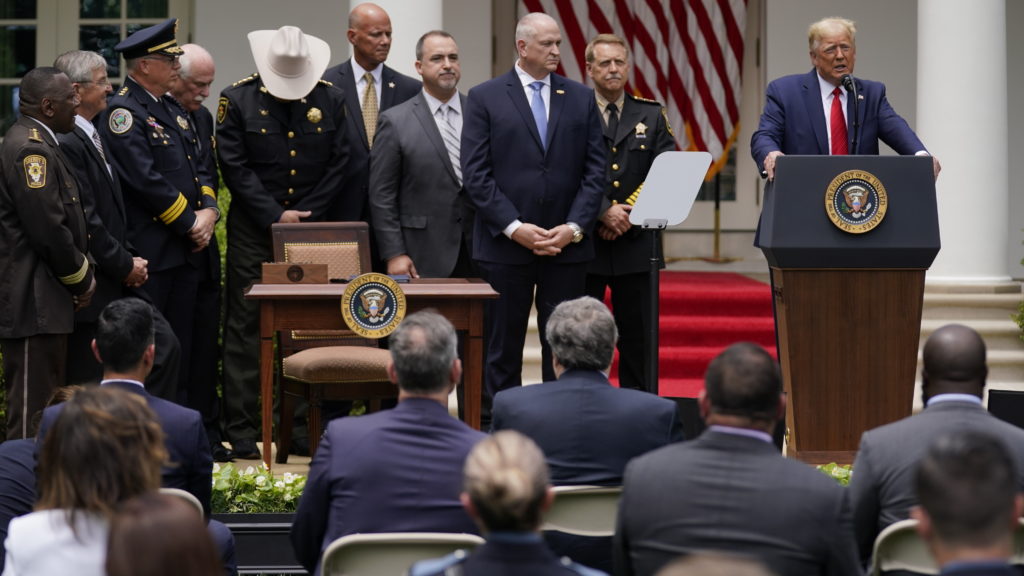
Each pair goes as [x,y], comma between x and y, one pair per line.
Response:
[390,553]
[584,510]
[326,365]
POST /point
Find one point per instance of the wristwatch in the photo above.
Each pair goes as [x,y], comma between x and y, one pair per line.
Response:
[577,232]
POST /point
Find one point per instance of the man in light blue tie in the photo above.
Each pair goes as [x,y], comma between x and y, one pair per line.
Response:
[421,216]
[533,164]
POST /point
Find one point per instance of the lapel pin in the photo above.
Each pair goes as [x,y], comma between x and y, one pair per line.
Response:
[860,96]
[559,91]
[391,84]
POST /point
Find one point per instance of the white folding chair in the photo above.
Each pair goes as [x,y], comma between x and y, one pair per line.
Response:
[186,496]
[584,510]
[390,553]
[900,547]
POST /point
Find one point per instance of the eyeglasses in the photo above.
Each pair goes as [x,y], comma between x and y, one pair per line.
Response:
[102,83]
[163,58]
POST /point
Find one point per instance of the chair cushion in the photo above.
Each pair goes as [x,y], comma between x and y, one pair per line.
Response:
[338,364]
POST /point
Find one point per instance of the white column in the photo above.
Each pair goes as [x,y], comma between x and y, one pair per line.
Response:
[409,21]
[962,119]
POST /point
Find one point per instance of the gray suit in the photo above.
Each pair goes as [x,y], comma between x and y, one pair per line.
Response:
[733,494]
[882,486]
[417,204]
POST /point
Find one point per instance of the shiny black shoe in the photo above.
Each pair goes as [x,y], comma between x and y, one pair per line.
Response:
[246,450]
[221,454]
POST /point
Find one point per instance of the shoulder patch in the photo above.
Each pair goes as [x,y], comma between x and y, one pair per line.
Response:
[326,82]
[120,121]
[246,80]
[35,171]
[222,109]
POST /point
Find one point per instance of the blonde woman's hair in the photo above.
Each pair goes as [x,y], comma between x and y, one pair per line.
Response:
[506,478]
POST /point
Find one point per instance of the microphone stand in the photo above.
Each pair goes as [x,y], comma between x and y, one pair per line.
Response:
[851,87]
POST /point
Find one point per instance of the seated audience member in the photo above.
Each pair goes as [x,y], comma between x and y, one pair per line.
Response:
[160,535]
[952,385]
[587,428]
[124,345]
[709,564]
[397,470]
[506,491]
[104,448]
[969,504]
[730,490]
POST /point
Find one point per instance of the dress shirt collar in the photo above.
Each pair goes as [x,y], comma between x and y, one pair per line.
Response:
[515,537]
[123,381]
[747,432]
[434,103]
[85,125]
[603,104]
[525,79]
[47,128]
[969,398]
[826,88]
[358,72]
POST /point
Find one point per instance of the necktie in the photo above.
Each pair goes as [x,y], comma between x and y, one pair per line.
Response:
[370,108]
[838,124]
[99,144]
[613,121]
[451,138]
[540,116]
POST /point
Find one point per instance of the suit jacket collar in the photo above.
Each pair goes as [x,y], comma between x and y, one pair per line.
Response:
[90,149]
[128,385]
[736,443]
[421,110]
[555,106]
[954,407]
[811,93]
[590,377]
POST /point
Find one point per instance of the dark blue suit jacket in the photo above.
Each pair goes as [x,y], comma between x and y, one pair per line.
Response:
[191,465]
[398,470]
[793,120]
[588,429]
[508,174]
[17,484]
[395,88]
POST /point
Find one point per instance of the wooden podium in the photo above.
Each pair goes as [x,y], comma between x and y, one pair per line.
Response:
[848,289]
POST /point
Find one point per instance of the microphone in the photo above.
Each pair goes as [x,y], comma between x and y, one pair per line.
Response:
[851,88]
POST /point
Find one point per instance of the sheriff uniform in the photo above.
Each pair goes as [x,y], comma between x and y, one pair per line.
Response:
[275,154]
[623,264]
[43,267]
[154,149]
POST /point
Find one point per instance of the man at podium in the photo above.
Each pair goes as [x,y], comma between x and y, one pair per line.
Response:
[811,113]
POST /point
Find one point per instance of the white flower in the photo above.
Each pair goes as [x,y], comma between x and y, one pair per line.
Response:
[249,471]
[261,480]
[279,485]
[289,478]
[216,467]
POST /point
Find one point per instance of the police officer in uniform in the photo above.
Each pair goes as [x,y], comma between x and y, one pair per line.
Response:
[44,272]
[636,131]
[282,151]
[170,201]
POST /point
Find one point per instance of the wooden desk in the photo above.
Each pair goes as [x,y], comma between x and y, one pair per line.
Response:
[318,307]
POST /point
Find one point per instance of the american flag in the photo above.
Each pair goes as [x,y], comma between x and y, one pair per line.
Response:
[686,54]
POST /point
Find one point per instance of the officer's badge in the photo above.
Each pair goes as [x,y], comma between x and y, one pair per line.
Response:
[120,121]
[856,201]
[222,109]
[314,115]
[182,122]
[35,171]
[640,131]
[158,130]
[264,112]
[373,305]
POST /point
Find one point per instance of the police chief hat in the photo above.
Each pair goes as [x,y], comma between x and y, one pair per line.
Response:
[289,62]
[156,39]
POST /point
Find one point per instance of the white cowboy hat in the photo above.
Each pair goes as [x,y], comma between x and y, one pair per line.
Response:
[289,62]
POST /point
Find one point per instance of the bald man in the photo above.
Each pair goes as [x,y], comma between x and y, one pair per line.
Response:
[953,384]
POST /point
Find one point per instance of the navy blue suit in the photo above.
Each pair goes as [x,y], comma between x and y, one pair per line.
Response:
[17,484]
[399,470]
[396,88]
[588,429]
[509,174]
[793,120]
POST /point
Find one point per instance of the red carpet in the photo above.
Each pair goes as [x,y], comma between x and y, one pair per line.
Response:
[701,314]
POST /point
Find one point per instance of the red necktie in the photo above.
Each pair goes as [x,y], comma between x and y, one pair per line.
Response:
[838,123]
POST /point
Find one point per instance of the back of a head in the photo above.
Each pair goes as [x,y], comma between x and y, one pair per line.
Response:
[506,478]
[967,483]
[160,535]
[105,446]
[954,360]
[582,334]
[744,381]
[423,348]
[123,332]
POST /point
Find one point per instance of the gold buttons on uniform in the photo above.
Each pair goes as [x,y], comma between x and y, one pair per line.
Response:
[196,179]
[285,203]
[319,130]
[615,166]
[293,172]
[643,147]
[292,153]
[263,130]
[291,190]
[614,150]
[291,134]
[616,184]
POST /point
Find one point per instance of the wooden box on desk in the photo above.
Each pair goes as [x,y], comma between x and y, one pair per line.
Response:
[294,273]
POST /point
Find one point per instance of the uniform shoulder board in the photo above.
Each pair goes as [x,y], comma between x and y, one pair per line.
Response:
[246,80]
[326,82]
[33,135]
[123,91]
[450,565]
[645,100]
